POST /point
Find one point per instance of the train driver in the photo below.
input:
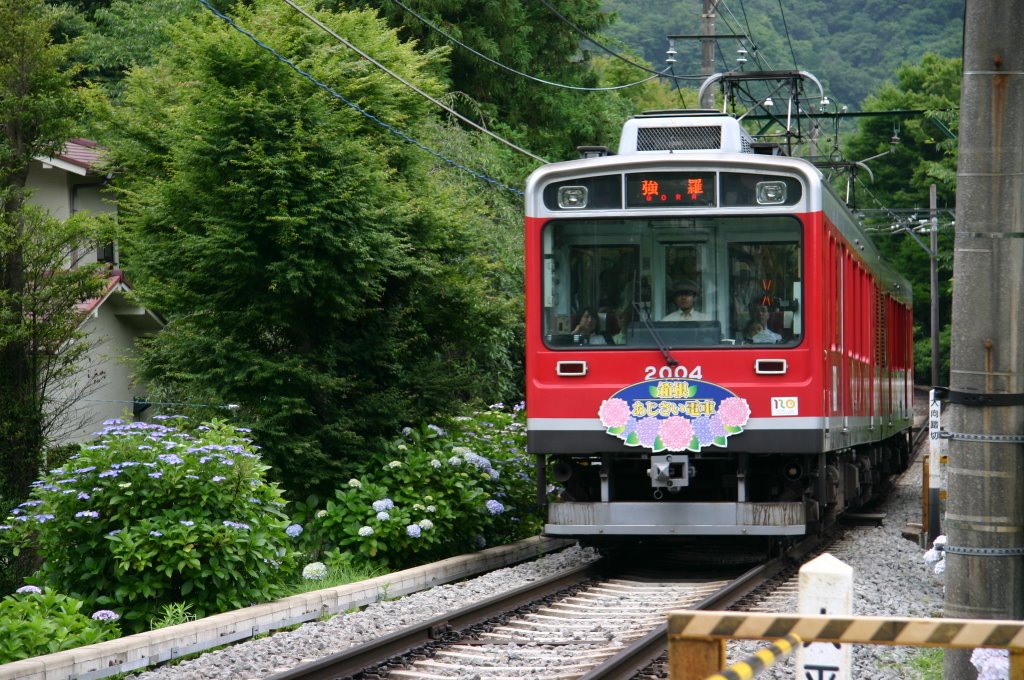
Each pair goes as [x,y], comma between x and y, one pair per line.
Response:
[685,297]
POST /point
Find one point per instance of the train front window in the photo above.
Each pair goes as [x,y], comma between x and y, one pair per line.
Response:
[672,282]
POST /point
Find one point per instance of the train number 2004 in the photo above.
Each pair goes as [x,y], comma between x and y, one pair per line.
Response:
[667,372]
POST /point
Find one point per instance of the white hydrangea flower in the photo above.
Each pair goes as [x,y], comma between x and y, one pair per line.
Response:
[314,571]
[365,531]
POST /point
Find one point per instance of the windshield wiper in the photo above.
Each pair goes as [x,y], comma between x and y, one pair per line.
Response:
[645,317]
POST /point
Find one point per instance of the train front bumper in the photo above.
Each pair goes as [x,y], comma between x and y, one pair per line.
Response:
[676,519]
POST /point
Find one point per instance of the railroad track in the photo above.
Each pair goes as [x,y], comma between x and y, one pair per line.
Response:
[579,625]
[582,624]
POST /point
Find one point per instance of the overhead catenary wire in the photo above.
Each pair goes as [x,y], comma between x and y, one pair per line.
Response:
[613,53]
[387,126]
[785,27]
[448,36]
[411,86]
[755,52]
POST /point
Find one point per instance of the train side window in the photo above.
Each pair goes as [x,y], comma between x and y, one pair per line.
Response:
[765,291]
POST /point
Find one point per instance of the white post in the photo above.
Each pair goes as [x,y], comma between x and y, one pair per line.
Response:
[938,450]
[826,588]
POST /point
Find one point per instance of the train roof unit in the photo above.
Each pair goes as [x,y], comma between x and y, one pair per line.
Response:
[684,130]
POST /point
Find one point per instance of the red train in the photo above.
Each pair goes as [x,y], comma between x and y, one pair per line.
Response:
[714,346]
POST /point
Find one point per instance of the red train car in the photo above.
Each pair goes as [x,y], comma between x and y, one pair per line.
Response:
[714,346]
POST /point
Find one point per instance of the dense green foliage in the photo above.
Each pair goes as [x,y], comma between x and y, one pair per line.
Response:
[149,515]
[522,36]
[924,155]
[852,47]
[36,621]
[37,110]
[314,268]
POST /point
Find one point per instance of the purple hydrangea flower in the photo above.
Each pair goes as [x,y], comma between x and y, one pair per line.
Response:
[413,530]
[294,530]
[494,507]
[105,615]
[26,590]
[383,505]
[91,514]
[236,525]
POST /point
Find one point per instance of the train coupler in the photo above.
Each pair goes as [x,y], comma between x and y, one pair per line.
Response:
[670,472]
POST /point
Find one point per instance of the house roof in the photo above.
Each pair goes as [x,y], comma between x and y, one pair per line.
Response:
[79,156]
[115,289]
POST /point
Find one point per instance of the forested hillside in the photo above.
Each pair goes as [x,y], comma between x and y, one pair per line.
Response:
[852,47]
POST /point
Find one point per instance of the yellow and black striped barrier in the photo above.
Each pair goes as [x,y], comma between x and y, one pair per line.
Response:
[762,658]
[697,638]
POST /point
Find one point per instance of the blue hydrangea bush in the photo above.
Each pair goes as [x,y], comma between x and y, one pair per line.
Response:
[431,493]
[34,621]
[152,514]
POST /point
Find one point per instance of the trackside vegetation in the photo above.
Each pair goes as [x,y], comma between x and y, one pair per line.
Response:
[169,519]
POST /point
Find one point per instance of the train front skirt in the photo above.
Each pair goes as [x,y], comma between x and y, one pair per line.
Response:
[676,519]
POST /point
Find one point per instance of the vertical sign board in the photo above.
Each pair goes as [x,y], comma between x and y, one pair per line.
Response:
[938,449]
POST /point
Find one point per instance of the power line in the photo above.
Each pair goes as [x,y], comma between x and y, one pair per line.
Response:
[387,126]
[584,34]
[405,82]
[785,26]
[520,73]
[756,53]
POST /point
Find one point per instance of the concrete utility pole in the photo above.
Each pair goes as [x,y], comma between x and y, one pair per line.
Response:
[985,506]
[707,50]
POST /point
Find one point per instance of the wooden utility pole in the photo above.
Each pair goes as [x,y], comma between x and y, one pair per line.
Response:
[985,507]
[707,49]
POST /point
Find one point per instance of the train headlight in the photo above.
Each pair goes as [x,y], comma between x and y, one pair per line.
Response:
[771,193]
[572,197]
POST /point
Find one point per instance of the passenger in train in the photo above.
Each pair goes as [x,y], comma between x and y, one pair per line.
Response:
[685,297]
[586,330]
[771,321]
[757,330]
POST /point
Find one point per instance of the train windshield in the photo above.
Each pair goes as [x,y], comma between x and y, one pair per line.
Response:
[672,282]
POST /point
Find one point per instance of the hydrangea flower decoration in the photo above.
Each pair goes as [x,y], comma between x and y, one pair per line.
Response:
[674,415]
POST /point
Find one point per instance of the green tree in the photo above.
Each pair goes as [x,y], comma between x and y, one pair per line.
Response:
[897,197]
[315,268]
[526,37]
[37,292]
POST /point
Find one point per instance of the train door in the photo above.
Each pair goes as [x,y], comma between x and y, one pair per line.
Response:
[834,338]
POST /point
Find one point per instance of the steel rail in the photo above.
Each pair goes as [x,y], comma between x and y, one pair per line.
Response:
[637,656]
[351,661]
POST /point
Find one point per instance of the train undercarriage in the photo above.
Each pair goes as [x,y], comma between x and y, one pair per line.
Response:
[724,494]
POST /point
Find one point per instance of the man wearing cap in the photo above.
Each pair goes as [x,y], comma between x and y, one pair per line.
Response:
[684,297]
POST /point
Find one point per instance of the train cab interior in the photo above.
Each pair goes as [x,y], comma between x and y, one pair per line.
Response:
[744,275]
